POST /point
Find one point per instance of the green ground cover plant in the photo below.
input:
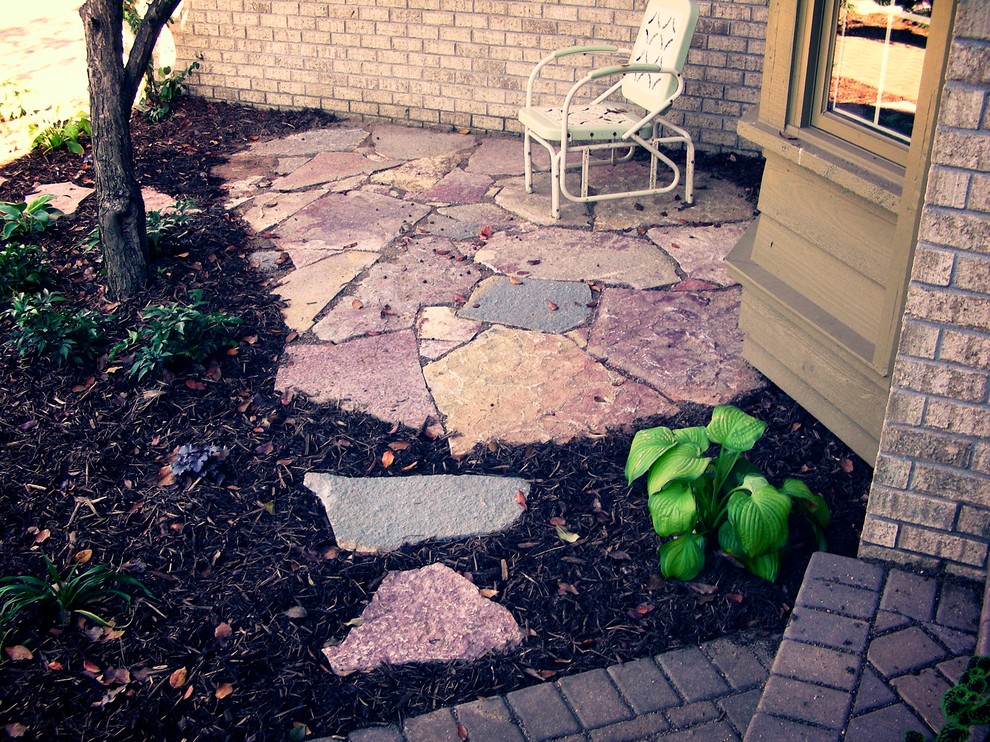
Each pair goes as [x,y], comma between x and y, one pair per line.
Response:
[43,328]
[723,499]
[63,134]
[21,219]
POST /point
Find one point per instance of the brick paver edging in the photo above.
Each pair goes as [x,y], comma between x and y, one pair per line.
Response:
[706,693]
[866,655]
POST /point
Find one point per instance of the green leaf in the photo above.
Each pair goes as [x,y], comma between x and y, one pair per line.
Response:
[765,566]
[683,558]
[647,446]
[734,429]
[673,510]
[696,437]
[729,541]
[808,502]
[680,462]
[760,519]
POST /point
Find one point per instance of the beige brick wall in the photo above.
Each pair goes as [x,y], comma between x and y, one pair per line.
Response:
[453,63]
[930,502]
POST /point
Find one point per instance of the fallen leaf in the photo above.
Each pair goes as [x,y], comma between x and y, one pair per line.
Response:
[195,385]
[223,690]
[85,385]
[265,448]
[14,730]
[18,653]
[189,692]
[410,467]
[557,521]
[54,665]
[90,666]
[355,622]
[28,425]
[485,233]
[620,556]
[297,611]
[213,373]
[399,445]
[388,458]
[462,732]
[83,556]
[249,339]
[703,589]
[222,633]
[165,476]
[521,500]
[117,676]
[551,306]
[734,597]
[357,304]
[43,535]
[566,587]
[514,280]
[565,535]
[461,299]
[178,677]
[846,465]
[291,336]
[287,397]
[487,592]
[644,608]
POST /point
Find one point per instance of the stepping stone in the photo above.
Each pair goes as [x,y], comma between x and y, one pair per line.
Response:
[239,170]
[330,166]
[430,614]
[535,207]
[379,375]
[543,306]
[157,201]
[440,330]
[501,156]
[478,216]
[458,187]
[716,201]
[522,387]
[405,143]
[701,251]
[309,143]
[419,175]
[577,255]
[389,297]
[376,514]
[686,345]
[357,220]
[267,209]
[309,289]
[444,226]
[68,196]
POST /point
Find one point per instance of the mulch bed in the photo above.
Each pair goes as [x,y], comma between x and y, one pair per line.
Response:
[248,584]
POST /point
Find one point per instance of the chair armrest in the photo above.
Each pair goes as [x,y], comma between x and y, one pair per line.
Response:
[623,69]
[590,49]
[566,52]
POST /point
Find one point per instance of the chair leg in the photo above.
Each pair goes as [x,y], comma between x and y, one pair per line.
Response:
[528,161]
[689,173]
[557,171]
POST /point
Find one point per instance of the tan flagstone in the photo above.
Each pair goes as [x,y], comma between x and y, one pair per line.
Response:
[417,176]
[701,251]
[309,289]
[268,209]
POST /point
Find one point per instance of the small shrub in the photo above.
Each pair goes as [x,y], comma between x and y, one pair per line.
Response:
[79,592]
[175,333]
[64,133]
[163,224]
[11,100]
[161,93]
[21,269]
[724,499]
[44,330]
[21,219]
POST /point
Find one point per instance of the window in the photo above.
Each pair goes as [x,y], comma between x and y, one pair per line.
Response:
[872,53]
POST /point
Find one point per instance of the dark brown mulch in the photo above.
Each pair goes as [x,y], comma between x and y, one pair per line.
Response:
[247,548]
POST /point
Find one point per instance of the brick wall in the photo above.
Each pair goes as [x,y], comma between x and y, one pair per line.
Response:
[930,502]
[452,63]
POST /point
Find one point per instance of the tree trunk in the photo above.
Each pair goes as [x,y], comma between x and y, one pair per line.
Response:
[112,87]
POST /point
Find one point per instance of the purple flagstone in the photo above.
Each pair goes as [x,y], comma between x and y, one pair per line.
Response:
[309,143]
[330,166]
[458,187]
[405,143]
[685,345]
[379,375]
[67,196]
[701,251]
[502,156]
[424,272]
[356,220]
[431,614]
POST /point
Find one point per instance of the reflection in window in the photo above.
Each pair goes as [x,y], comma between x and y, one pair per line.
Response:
[877,59]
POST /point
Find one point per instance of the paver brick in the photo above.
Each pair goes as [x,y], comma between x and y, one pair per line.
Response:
[890,722]
[692,674]
[740,707]
[766,728]
[375,734]
[641,727]
[958,607]
[872,693]
[903,651]
[489,719]
[817,665]
[595,699]
[838,632]
[738,663]
[692,714]
[845,570]
[958,642]
[805,702]
[438,726]
[885,620]
[833,596]
[719,731]
[542,712]
[909,594]
[923,693]
[644,686]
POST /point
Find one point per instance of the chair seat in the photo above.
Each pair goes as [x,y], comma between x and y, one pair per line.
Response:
[598,122]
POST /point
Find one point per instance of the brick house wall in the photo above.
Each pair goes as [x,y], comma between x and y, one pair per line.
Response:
[453,63]
[930,500]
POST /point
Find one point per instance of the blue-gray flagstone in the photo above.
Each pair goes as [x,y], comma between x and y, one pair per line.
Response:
[530,304]
[373,514]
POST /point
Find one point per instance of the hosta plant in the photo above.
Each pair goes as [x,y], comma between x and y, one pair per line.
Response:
[44,329]
[698,496]
[63,134]
[18,219]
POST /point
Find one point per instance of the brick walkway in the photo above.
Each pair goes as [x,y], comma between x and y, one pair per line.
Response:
[866,656]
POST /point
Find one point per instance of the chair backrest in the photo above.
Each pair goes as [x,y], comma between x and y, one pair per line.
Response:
[664,38]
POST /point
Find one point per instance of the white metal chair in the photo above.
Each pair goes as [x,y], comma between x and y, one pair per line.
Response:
[650,80]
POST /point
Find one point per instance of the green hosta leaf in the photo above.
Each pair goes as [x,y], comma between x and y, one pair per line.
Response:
[765,566]
[681,462]
[808,502]
[696,437]
[673,510]
[647,446]
[734,429]
[760,519]
[683,558]
[729,541]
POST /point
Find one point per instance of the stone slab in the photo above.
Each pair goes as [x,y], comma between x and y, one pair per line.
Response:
[535,207]
[530,304]
[309,289]
[686,345]
[67,196]
[244,169]
[500,156]
[375,514]
[419,175]
[309,143]
[430,614]
[479,216]
[458,187]
[521,387]
[356,220]
[327,167]
[391,294]
[406,143]
[378,375]
[700,251]
[573,255]
[267,209]
[441,323]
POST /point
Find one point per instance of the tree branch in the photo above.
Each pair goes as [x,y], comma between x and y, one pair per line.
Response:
[159,11]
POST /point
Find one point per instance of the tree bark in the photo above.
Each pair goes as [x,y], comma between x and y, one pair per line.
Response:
[112,87]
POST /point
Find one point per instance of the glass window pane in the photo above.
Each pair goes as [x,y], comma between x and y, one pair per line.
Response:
[877,56]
